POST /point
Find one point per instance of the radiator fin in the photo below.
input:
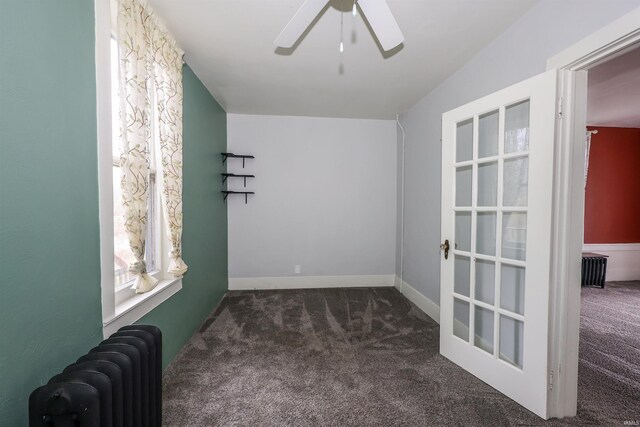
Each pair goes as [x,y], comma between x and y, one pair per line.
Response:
[594,270]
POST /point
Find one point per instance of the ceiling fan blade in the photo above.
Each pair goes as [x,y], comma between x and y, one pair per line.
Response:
[382,22]
[300,21]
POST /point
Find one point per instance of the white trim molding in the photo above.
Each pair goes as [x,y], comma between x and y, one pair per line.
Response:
[105,155]
[397,282]
[612,40]
[134,308]
[624,259]
[310,282]
[429,307]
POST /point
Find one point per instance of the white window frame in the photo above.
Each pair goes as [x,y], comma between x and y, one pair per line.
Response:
[122,306]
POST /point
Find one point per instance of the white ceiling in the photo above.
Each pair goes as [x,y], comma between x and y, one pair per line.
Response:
[229,45]
[613,97]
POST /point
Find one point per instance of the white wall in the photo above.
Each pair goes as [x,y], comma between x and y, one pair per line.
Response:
[325,197]
[623,259]
[519,53]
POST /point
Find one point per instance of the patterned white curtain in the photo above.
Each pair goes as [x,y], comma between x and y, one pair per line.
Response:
[587,150]
[149,61]
[167,72]
[135,110]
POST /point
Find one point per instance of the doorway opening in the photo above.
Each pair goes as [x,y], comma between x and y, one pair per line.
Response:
[609,349]
[578,65]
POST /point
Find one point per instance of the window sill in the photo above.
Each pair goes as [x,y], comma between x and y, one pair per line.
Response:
[134,308]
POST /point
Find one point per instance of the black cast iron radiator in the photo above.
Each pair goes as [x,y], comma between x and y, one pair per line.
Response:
[117,384]
[594,269]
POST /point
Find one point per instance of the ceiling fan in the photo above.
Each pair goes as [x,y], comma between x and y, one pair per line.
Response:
[377,12]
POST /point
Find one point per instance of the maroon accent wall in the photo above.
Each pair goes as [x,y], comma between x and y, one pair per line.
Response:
[612,205]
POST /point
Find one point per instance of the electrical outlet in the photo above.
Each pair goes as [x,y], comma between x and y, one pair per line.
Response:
[296,269]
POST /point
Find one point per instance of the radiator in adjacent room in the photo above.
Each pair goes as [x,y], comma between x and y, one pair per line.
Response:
[117,384]
[594,269]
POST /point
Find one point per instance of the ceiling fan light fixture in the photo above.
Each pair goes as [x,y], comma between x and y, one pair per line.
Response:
[377,12]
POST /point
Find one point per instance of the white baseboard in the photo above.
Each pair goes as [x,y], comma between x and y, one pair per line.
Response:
[430,308]
[624,259]
[310,282]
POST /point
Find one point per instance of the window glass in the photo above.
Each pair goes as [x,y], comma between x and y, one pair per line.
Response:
[122,256]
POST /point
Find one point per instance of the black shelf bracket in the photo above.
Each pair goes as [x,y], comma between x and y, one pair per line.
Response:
[246,194]
[233,175]
[244,157]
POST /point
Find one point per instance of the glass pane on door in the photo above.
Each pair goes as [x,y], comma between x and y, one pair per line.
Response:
[511,340]
[464,141]
[514,235]
[483,329]
[461,319]
[488,184]
[463,231]
[512,288]
[485,281]
[516,129]
[516,182]
[488,134]
[461,275]
[486,233]
[463,186]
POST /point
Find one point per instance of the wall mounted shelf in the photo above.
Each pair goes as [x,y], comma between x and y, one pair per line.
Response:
[226,175]
[246,194]
[244,157]
[233,175]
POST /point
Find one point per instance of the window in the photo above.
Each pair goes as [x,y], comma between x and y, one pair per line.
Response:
[120,304]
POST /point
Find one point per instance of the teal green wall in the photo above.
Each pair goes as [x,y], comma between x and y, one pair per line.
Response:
[204,239]
[50,310]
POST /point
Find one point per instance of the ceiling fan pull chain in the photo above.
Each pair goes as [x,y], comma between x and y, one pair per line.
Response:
[341,31]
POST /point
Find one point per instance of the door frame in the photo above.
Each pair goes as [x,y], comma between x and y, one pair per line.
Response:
[612,40]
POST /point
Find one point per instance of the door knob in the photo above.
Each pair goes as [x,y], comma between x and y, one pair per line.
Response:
[445,248]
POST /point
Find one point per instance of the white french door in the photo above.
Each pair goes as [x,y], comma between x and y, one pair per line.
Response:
[497,177]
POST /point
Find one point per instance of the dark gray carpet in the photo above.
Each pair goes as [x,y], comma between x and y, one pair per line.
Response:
[350,357]
[609,370]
